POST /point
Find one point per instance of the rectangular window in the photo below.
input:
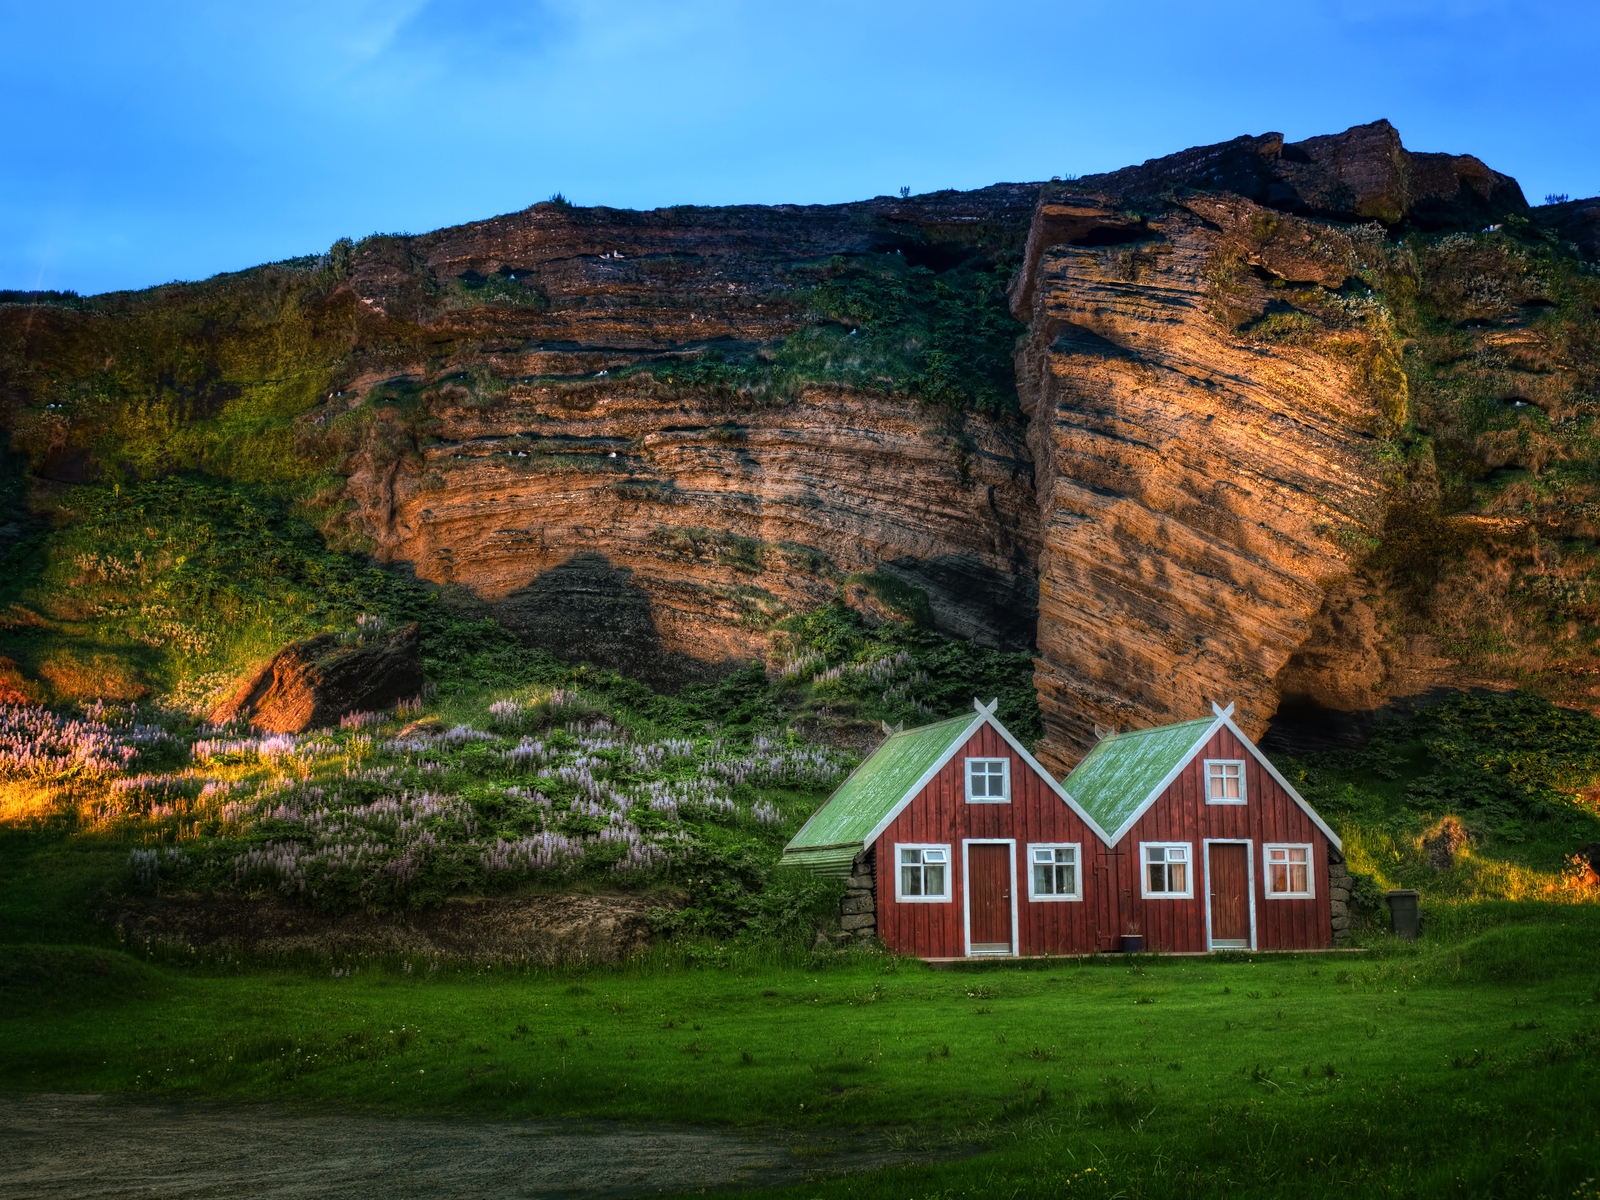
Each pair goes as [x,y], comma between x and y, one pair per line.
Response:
[1053,872]
[1166,869]
[924,873]
[1224,781]
[988,780]
[1288,870]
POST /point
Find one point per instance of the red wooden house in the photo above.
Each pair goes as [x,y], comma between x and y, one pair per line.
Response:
[959,844]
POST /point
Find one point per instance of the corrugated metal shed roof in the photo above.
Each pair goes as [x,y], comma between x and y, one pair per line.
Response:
[1119,774]
[877,785]
[832,862]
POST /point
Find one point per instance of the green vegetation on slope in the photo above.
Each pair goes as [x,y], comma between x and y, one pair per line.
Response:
[203,376]
[878,323]
[1491,539]
[176,584]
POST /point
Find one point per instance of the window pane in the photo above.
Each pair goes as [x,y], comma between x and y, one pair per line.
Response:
[1158,878]
[1066,854]
[1297,877]
[933,880]
[933,856]
[1177,877]
[1043,882]
[910,856]
[1043,854]
[1297,854]
[1177,854]
[1224,781]
[1066,880]
[1280,877]
[911,881]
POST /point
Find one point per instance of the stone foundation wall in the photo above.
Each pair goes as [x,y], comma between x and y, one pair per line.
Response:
[858,911]
[1339,894]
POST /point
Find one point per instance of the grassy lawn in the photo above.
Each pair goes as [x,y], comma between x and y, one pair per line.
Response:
[1462,1066]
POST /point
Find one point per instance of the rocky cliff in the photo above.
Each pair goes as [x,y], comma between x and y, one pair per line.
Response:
[1200,480]
[629,456]
[1263,419]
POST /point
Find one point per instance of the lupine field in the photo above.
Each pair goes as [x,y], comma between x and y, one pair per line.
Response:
[391,811]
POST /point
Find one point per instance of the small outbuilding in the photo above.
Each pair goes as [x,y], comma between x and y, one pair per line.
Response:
[956,843]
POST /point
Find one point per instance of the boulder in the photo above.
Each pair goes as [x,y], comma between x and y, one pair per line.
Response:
[1362,174]
[1575,221]
[315,682]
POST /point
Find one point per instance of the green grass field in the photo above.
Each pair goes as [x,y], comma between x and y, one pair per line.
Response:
[1463,1065]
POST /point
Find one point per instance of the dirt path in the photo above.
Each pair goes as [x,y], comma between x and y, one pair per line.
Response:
[95,1146]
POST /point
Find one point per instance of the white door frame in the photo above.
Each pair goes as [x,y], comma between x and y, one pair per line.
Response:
[1250,883]
[966,893]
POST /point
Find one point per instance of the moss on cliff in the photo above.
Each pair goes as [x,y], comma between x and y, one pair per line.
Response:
[1491,538]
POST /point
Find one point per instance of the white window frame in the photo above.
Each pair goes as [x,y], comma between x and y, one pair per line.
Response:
[1250,884]
[966,897]
[1311,875]
[1144,871]
[1077,874]
[1243,797]
[1005,780]
[949,873]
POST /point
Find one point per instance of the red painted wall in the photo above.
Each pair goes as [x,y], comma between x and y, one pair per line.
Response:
[1109,880]
[941,814]
[1182,815]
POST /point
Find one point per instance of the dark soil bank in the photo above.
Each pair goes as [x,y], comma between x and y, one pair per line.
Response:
[92,1146]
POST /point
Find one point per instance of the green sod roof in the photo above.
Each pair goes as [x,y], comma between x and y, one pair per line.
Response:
[1119,774]
[838,830]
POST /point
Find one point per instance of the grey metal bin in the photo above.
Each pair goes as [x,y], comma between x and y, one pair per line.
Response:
[1404,917]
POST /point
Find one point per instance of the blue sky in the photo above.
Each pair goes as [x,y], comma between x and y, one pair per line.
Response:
[158,141]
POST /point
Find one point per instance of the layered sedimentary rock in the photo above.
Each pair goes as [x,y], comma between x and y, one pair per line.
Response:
[1209,388]
[1199,486]
[613,511]
[663,537]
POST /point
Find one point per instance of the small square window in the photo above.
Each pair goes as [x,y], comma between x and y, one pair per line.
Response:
[988,780]
[924,872]
[1166,869]
[1289,870]
[1053,872]
[1224,781]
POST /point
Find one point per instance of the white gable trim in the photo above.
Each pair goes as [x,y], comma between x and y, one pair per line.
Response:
[1048,778]
[985,717]
[1282,782]
[1166,782]
[1225,721]
[915,789]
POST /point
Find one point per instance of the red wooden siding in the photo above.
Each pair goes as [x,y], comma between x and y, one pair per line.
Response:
[1182,815]
[941,814]
[1108,877]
